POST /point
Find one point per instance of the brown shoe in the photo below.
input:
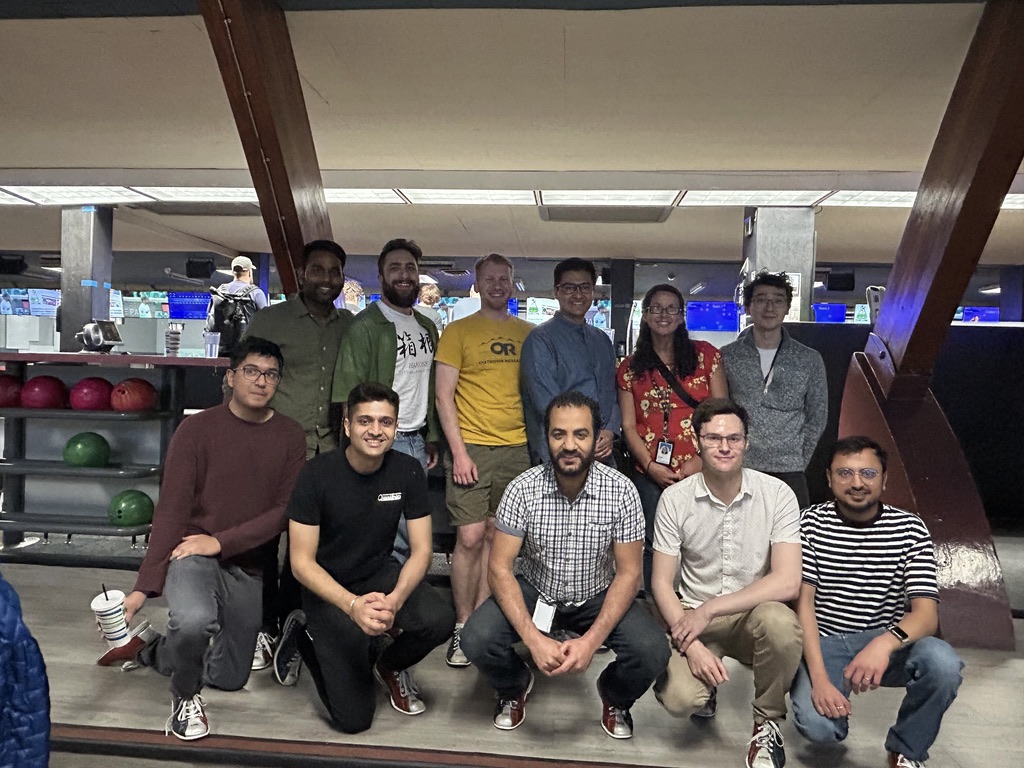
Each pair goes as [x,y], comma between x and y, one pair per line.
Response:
[401,688]
[617,723]
[140,637]
[510,713]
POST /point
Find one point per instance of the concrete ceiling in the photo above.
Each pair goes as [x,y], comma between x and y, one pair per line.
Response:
[765,97]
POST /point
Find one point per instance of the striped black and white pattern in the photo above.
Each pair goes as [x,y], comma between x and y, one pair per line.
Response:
[865,576]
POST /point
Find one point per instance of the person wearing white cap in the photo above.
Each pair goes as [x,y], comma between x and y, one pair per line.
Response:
[242,267]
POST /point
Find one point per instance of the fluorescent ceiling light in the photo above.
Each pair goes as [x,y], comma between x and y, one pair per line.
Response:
[1010,202]
[873,199]
[427,280]
[819,284]
[363,196]
[642,197]
[6,199]
[201,194]
[470,196]
[53,269]
[990,290]
[762,198]
[79,195]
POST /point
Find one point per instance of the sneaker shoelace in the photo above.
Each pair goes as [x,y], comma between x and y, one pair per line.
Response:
[906,762]
[767,735]
[190,712]
[407,686]
[263,643]
[620,715]
[456,641]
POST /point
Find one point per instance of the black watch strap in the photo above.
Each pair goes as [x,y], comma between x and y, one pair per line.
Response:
[895,630]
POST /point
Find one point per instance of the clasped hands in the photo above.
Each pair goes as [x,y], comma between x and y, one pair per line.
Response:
[374,612]
[567,657]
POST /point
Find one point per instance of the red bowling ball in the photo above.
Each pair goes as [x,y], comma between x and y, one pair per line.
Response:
[44,392]
[91,394]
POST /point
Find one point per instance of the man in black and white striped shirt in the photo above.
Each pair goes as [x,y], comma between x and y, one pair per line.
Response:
[862,562]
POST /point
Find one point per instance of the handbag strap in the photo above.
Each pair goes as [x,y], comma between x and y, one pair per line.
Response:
[677,387]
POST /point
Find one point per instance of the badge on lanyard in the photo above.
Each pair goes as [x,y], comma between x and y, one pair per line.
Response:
[663,455]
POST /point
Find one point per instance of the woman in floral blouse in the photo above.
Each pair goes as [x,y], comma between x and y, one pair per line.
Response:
[655,418]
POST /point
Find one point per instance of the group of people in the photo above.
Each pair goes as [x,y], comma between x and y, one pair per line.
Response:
[338,418]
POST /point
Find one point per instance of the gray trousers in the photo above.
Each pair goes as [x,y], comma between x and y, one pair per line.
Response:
[215,614]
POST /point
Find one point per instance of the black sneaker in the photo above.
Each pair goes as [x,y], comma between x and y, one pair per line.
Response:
[454,656]
[766,747]
[188,719]
[287,661]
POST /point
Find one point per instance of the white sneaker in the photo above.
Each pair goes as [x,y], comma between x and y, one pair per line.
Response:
[455,657]
[263,656]
[766,747]
[188,719]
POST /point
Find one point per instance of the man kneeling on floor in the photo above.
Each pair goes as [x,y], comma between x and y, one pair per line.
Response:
[863,561]
[579,531]
[344,516]
[227,478]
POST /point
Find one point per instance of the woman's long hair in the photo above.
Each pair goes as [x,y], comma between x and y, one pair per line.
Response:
[684,353]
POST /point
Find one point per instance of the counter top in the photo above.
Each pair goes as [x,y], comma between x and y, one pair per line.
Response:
[113,360]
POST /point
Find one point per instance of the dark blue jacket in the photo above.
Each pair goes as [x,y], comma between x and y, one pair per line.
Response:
[24,691]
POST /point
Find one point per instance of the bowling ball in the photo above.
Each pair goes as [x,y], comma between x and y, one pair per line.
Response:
[44,392]
[87,449]
[130,508]
[10,391]
[133,395]
[91,394]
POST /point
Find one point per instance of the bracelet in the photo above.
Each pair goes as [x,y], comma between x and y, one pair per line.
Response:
[352,603]
[647,469]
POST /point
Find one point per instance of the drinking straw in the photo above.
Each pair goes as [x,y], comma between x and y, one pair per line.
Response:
[104,591]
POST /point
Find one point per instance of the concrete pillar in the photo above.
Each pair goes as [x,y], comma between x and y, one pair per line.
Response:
[782,240]
[1011,294]
[622,279]
[86,259]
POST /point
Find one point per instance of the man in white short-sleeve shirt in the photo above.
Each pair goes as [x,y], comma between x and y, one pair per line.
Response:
[733,536]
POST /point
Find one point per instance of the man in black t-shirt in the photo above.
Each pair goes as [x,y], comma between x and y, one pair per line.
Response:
[344,513]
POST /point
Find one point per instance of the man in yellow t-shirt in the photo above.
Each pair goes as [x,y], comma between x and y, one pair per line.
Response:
[481,413]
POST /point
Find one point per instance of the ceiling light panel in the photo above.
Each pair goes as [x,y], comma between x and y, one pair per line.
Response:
[470,196]
[1010,202]
[6,199]
[641,197]
[874,199]
[79,195]
[763,198]
[201,194]
[363,196]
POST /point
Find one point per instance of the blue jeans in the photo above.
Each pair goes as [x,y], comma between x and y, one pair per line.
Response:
[650,495]
[640,645]
[411,445]
[929,669]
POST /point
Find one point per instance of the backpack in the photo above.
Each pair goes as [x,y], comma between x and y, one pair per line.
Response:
[229,315]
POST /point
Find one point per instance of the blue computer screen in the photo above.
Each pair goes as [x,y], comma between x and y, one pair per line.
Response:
[829,312]
[981,314]
[712,316]
[188,305]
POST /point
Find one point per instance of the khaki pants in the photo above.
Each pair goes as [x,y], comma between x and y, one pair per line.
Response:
[767,637]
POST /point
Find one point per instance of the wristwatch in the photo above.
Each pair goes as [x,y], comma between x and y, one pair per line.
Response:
[894,630]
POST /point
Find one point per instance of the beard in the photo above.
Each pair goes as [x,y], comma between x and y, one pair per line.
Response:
[586,459]
[399,299]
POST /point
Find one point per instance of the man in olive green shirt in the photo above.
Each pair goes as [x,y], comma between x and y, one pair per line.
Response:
[308,329]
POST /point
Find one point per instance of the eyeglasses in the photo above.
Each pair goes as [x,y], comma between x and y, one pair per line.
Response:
[252,373]
[767,301]
[654,309]
[387,422]
[734,441]
[572,288]
[845,474]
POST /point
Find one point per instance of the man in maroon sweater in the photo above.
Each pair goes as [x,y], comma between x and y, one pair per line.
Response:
[206,531]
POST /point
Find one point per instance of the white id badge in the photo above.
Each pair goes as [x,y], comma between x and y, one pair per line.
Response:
[664,454]
[543,615]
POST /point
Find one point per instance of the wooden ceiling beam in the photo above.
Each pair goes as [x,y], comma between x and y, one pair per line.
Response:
[257,64]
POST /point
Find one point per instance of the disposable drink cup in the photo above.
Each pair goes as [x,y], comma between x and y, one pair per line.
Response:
[212,341]
[172,342]
[109,610]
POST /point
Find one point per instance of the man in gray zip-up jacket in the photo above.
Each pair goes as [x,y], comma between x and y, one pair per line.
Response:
[780,382]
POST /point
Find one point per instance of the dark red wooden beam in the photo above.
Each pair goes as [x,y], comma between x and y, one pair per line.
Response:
[254,52]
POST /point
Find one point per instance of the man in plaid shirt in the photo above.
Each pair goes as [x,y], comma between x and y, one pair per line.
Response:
[579,530]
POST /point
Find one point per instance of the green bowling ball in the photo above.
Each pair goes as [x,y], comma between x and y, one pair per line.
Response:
[130,508]
[87,449]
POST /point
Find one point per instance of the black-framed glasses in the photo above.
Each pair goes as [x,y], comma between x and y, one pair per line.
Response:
[572,288]
[846,474]
[252,373]
[734,441]
[768,301]
[654,309]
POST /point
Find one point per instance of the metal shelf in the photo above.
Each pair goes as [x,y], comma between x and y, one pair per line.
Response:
[60,469]
[38,522]
[69,413]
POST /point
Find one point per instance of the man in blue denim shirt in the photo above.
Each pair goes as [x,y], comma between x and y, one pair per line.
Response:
[565,354]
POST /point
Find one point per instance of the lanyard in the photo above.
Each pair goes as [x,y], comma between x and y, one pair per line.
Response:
[771,368]
[666,409]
